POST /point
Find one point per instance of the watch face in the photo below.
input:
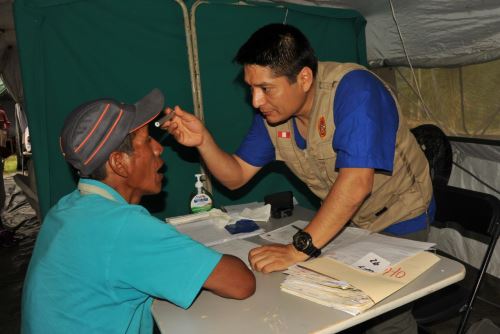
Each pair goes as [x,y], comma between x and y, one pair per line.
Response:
[301,240]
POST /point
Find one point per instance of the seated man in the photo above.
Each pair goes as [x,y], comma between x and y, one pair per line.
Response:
[101,258]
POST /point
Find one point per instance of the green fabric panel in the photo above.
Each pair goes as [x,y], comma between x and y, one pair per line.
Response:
[73,51]
[82,50]
[221,29]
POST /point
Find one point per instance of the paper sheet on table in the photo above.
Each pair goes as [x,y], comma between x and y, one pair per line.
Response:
[376,285]
[284,235]
[351,245]
[256,211]
[212,232]
[239,248]
[202,215]
[235,209]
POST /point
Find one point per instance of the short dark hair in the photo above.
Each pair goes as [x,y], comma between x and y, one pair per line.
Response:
[283,48]
[126,146]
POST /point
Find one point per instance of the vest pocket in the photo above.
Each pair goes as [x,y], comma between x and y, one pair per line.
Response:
[375,208]
[400,207]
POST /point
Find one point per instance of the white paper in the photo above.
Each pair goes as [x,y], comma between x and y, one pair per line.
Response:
[234,210]
[192,217]
[372,263]
[391,249]
[307,275]
[353,243]
[284,235]
[325,291]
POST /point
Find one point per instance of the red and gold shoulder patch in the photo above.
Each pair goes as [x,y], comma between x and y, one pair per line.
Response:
[322,127]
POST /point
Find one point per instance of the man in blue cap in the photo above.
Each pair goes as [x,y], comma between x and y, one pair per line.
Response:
[101,258]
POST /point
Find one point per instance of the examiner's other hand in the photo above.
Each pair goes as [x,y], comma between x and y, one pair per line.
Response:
[274,257]
[186,128]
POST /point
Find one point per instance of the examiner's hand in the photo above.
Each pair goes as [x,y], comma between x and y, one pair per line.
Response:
[274,257]
[186,128]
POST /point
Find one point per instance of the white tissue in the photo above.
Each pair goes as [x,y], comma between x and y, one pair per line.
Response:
[219,214]
[261,213]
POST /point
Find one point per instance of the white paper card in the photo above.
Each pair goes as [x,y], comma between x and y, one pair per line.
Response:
[372,263]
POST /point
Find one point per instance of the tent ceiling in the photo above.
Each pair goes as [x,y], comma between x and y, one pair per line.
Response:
[436,32]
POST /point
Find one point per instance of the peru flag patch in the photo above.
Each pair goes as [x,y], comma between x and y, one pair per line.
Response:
[283,134]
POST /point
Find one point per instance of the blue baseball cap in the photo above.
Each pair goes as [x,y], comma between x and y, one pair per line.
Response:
[97,128]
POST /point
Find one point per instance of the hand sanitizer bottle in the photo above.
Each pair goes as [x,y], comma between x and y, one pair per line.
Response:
[201,200]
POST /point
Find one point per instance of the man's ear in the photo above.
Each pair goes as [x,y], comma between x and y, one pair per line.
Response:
[305,78]
[119,162]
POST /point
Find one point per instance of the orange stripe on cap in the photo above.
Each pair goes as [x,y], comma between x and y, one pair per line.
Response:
[149,120]
[105,138]
[93,129]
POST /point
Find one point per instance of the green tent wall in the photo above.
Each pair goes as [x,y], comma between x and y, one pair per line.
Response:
[74,51]
[334,34]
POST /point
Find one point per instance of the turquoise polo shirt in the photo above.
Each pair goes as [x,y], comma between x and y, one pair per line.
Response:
[98,262]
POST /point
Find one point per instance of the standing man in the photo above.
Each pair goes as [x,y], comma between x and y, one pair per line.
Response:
[100,257]
[338,128]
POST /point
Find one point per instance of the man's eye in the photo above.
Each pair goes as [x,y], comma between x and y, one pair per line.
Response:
[266,89]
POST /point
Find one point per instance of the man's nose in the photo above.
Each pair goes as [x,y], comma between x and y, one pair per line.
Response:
[258,98]
[157,148]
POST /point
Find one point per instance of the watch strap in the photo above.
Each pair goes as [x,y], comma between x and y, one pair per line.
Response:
[312,251]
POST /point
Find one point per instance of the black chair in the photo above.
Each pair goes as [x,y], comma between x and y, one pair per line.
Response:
[437,149]
[474,214]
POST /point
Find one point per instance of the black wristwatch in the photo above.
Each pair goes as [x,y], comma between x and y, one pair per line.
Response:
[302,242]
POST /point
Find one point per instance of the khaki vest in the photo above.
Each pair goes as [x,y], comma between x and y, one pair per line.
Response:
[394,198]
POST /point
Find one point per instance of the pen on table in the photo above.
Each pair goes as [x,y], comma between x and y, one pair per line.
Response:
[298,228]
[165,118]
